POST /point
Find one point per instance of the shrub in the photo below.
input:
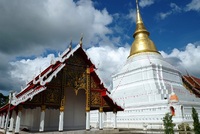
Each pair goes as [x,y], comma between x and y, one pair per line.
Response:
[184,126]
[168,124]
[196,123]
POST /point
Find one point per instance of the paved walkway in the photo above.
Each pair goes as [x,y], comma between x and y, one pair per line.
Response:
[92,131]
[96,131]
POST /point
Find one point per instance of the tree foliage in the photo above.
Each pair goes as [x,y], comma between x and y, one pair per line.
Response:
[168,124]
[196,123]
[3,99]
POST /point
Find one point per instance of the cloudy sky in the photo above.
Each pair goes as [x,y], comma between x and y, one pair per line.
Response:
[33,32]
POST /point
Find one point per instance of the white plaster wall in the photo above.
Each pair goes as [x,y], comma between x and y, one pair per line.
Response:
[94,118]
[14,117]
[30,118]
[51,119]
[74,114]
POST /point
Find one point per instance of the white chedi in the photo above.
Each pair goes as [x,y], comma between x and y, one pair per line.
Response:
[148,87]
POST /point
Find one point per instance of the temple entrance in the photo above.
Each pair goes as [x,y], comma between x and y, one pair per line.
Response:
[172,111]
[74,113]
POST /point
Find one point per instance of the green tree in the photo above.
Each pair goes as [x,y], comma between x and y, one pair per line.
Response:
[168,124]
[3,99]
[196,123]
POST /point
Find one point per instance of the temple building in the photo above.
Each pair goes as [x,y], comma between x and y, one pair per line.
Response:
[148,87]
[59,98]
[69,95]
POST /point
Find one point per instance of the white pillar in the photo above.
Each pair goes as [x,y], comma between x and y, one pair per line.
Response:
[7,118]
[12,121]
[17,125]
[115,120]
[0,119]
[87,120]
[100,118]
[3,120]
[42,116]
[61,119]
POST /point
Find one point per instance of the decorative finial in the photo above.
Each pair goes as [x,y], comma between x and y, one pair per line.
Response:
[70,44]
[137,7]
[81,39]
[138,16]
[172,89]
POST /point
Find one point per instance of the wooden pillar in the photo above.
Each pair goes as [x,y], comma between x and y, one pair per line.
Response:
[42,117]
[115,118]
[3,120]
[101,118]
[61,116]
[17,125]
[12,121]
[88,99]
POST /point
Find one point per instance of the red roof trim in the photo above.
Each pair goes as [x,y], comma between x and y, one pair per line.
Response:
[111,102]
[196,80]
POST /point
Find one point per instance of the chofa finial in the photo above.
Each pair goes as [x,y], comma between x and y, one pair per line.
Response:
[81,39]
[70,44]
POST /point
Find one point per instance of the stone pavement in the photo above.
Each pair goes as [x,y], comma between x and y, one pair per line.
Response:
[96,131]
[92,131]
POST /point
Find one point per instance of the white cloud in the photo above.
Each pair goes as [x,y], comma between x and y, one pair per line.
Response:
[162,16]
[108,60]
[187,59]
[193,5]
[86,19]
[144,3]
[132,15]
[174,9]
[35,26]
[26,70]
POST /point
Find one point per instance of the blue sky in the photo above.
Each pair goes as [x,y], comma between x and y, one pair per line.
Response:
[33,32]
[170,22]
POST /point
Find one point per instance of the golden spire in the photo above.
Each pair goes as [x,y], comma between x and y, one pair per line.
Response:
[142,42]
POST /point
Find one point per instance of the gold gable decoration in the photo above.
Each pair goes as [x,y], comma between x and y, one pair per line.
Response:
[80,83]
[76,74]
[52,96]
[95,99]
[93,84]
